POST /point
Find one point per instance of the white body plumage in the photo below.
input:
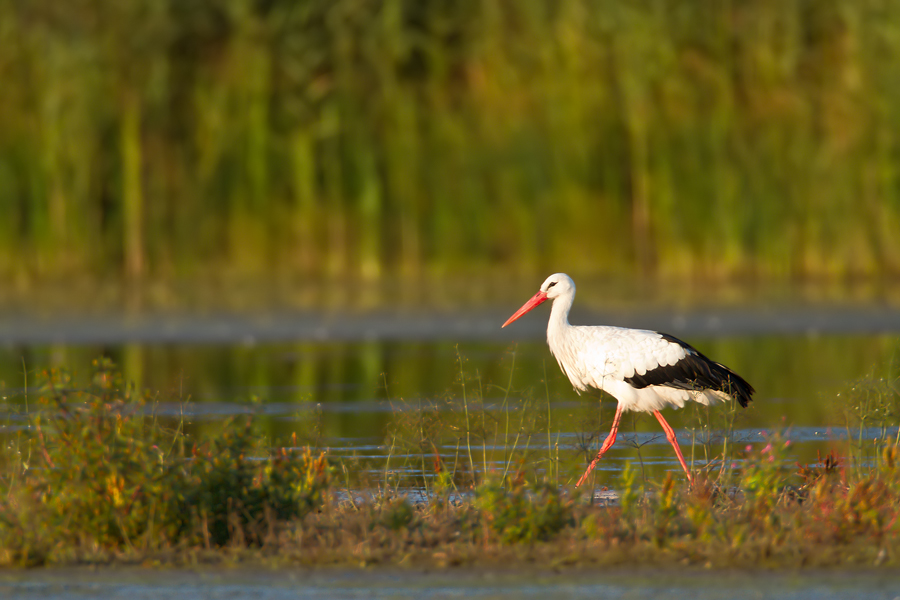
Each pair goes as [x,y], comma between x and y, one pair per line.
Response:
[644,370]
[604,357]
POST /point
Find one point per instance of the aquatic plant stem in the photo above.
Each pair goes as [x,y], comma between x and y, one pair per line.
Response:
[387,464]
[512,368]
[462,378]
[25,384]
[549,444]
[483,425]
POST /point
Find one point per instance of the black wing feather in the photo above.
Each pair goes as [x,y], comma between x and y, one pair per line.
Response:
[695,372]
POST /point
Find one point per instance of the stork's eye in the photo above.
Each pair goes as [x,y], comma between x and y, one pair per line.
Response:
[552,283]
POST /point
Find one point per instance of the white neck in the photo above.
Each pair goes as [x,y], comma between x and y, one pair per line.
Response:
[559,315]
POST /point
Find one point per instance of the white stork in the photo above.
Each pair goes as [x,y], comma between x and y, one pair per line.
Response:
[643,370]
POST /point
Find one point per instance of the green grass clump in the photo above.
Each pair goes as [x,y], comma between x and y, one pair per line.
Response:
[106,479]
[224,496]
[522,512]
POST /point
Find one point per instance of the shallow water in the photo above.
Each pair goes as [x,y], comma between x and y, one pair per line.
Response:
[353,383]
[334,585]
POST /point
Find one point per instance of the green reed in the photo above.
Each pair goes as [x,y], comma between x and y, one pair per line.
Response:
[370,139]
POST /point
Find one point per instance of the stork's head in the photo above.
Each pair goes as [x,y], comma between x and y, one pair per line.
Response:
[558,284]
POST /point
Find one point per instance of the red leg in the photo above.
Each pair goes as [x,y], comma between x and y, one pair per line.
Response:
[609,441]
[670,435]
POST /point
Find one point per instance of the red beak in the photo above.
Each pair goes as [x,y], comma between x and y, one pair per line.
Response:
[536,300]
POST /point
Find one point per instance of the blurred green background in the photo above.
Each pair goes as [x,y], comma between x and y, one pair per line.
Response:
[363,140]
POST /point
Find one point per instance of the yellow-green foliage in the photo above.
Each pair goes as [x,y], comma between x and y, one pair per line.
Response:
[227,492]
[521,512]
[763,474]
[396,514]
[98,471]
[355,138]
[106,477]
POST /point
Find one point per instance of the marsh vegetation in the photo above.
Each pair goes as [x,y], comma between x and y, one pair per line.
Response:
[96,477]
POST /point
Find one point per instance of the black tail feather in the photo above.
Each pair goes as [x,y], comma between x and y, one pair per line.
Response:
[733,384]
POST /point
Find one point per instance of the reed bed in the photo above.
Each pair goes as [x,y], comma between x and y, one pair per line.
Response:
[164,140]
[96,479]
